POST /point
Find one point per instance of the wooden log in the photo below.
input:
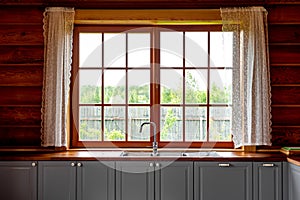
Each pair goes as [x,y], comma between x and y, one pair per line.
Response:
[20,116]
[20,96]
[21,75]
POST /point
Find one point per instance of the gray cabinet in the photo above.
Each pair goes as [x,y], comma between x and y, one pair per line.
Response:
[147,180]
[135,180]
[267,179]
[18,180]
[88,180]
[174,181]
[293,182]
[95,180]
[230,180]
[57,180]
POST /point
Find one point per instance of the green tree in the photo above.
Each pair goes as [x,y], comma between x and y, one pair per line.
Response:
[170,120]
[114,135]
[88,133]
[90,94]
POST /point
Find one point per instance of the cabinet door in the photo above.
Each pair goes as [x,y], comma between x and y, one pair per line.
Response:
[135,180]
[293,182]
[267,181]
[57,180]
[214,180]
[18,180]
[174,180]
[95,180]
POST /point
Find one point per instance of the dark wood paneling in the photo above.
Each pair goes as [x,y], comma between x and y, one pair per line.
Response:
[20,96]
[21,15]
[20,116]
[286,95]
[23,75]
[21,35]
[284,34]
[294,2]
[284,54]
[284,14]
[20,136]
[21,54]
[285,116]
[105,4]
[286,136]
[285,75]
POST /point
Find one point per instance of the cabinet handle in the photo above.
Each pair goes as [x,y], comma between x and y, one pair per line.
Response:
[268,165]
[72,164]
[79,164]
[224,165]
[157,165]
[151,164]
[33,164]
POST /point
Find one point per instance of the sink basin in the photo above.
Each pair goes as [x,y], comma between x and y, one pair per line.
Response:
[149,154]
[135,153]
[170,154]
[202,154]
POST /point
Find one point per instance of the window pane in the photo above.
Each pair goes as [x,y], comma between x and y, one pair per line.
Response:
[138,49]
[114,123]
[221,86]
[171,124]
[195,124]
[139,86]
[221,49]
[196,49]
[90,86]
[171,86]
[171,49]
[136,116]
[195,86]
[220,124]
[114,86]
[89,123]
[90,50]
[114,50]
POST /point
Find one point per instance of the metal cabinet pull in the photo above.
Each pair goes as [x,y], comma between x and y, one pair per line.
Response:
[79,164]
[151,164]
[157,165]
[33,164]
[268,165]
[224,165]
[72,164]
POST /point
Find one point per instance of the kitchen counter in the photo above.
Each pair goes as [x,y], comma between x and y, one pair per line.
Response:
[294,160]
[116,156]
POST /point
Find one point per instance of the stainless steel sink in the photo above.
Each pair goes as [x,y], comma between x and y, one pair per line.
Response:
[149,154]
[202,154]
[136,153]
[170,154]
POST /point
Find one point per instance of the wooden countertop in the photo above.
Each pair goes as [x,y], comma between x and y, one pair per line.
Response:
[294,160]
[88,155]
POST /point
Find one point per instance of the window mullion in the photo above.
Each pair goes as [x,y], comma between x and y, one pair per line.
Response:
[208,89]
[183,88]
[155,80]
[102,88]
[126,87]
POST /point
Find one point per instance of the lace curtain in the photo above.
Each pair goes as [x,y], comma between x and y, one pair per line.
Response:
[251,117]
[58,33]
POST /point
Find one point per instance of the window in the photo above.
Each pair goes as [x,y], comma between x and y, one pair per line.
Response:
[179,77]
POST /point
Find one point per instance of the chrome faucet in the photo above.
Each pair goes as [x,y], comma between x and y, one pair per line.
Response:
[154,144]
